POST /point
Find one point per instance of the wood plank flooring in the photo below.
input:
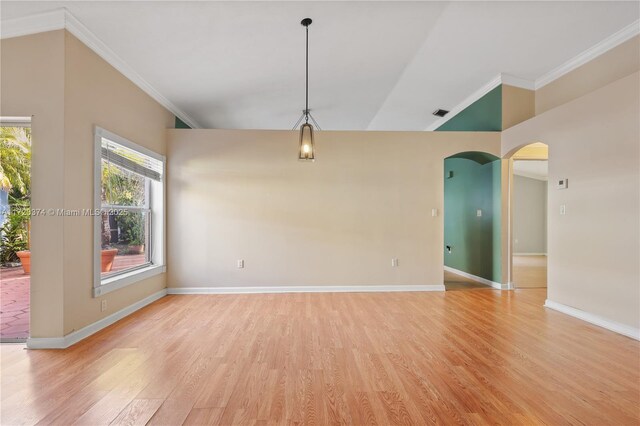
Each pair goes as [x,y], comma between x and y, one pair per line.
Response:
[455,282]
[459,357]
[530,271]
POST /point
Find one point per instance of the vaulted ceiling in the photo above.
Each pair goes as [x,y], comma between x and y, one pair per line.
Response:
[373,65]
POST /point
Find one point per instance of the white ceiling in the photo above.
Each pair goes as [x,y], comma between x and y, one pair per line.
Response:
[374,65]
[535,169]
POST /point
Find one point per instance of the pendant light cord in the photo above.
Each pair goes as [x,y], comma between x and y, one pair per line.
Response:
[306,113]
[306,109]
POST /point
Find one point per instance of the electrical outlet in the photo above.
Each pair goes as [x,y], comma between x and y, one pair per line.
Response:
[103,305]
[240,263]
[434,212]
[563,209]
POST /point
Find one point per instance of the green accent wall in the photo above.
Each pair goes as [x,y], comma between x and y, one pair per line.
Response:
[475,241]
[484,115]
[181,124]
[477,156]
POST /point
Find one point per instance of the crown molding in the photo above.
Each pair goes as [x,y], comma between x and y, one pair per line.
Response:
[62,19]
[33,24]
[590,54]
[486,88]
[502,78]
[522,83]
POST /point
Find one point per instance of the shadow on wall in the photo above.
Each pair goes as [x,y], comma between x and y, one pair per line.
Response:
[472,214]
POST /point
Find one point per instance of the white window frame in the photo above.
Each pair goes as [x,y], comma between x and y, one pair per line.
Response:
[106,285]
[15,121]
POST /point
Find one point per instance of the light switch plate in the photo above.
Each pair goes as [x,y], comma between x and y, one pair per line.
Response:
[562,183]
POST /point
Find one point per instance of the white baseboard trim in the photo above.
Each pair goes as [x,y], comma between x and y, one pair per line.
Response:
[476,278]
[529,254]
[304,289]
[625,330]
[83,333]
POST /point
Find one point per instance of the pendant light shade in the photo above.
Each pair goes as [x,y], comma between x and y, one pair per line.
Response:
[307,151]
[307,147]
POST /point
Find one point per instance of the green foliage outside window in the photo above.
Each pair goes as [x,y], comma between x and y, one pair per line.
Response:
[15,234]
[123,188]
[15,178]
[15,159]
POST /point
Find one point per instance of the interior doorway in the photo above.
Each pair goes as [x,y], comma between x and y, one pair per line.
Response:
[472,221]
[15,228]
[528,211]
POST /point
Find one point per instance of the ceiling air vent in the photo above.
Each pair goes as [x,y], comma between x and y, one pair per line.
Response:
[440,112]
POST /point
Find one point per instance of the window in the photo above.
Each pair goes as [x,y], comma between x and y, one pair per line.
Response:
[128,213]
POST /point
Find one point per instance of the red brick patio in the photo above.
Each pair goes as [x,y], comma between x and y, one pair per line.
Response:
[14,298]
[14,304]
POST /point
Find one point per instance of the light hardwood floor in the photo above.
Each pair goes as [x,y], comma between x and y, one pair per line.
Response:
[455,282]
[530,271]
[388,358]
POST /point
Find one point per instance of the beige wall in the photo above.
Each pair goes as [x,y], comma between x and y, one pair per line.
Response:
[32,83]
[529,215]
[594,141]
[518,105]
[69,89]
[338,221]
[606,68]
[97,94]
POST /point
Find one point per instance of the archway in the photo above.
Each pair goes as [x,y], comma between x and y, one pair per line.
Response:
[527,216]
[472,221]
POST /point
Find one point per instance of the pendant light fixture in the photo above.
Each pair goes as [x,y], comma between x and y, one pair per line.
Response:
[307,148]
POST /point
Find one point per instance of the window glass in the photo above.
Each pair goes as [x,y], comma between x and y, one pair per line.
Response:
[127,181]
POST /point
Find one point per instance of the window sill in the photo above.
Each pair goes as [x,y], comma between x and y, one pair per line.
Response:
[114,283]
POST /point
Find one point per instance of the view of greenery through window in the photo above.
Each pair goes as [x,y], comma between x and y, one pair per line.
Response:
[125,217]
[15,192]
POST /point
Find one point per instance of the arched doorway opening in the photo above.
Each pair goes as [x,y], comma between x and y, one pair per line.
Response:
[472,221]
[527,215]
